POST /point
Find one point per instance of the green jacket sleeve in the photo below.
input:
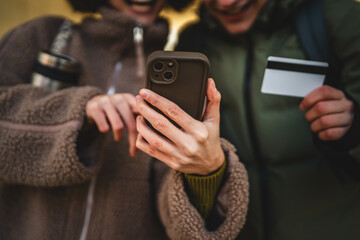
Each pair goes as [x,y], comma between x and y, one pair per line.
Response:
[344,37]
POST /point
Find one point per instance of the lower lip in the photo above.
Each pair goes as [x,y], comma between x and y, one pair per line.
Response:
[236,17]
[141,11]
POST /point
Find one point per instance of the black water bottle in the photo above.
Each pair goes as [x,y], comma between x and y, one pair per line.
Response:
[55,71]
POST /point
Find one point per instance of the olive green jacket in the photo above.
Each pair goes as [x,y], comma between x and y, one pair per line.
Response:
[300,187]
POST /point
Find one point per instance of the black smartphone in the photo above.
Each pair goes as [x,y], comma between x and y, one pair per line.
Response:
[180,77]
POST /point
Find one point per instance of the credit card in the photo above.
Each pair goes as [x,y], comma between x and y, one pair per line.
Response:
[293,77]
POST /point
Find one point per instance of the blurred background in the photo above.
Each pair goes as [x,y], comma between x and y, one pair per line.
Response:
[15,12]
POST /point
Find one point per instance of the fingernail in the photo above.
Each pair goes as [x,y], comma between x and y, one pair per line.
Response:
[138,98]
[213,83]
[144,93]
[132,152]
[301,106]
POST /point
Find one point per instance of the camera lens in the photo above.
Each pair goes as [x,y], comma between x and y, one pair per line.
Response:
[168,75]
[158,66]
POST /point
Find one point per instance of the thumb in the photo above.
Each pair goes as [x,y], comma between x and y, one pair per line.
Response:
[212,111]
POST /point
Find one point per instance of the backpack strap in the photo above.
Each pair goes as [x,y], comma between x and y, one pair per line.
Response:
[62,38]
[311,31]
[310,26]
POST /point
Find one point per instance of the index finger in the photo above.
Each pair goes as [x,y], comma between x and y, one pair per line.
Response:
[322,93]
[132,102]
[170,109]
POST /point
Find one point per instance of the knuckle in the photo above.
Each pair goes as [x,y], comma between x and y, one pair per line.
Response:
[349,105]
[138,144]
[306,102]
[340,93]
[321,107]
[173,111]
[330,134]
[308,116]
[118,126]
[314,127]
[128,96]
[93,106]
[190,150]
[156,143]
[202,135]
[104,100]
[160,124]
[185,162]
[324,121]
[153,99]
[218,96]
[119,99]
[175,165]
[116,123]
[326,90]
[141,107]
[151,151]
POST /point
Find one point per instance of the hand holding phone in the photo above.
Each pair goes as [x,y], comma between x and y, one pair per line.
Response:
[195,146]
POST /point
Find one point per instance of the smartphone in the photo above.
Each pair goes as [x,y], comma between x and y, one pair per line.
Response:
[180,77]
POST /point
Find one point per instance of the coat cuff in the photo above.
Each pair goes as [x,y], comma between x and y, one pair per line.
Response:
[41,141]
[183,221]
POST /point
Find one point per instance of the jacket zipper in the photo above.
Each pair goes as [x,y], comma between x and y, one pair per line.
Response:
[261,165]
[138,38]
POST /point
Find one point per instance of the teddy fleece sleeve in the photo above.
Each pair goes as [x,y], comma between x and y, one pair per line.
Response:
[39,129]
[183,221]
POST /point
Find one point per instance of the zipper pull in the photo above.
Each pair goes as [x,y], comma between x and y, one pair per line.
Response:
[138,34]
[139,50]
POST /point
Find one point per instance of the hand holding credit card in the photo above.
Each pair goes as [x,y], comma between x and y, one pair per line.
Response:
[293,77]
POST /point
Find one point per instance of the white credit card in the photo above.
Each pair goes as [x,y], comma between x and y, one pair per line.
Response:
[293,77]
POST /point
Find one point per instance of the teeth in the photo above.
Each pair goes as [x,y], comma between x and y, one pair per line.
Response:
[141,8]
[140,2]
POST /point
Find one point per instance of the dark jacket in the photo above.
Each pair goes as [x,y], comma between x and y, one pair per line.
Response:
[300,187]
[48,158]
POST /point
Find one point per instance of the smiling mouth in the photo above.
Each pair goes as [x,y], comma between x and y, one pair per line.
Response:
[237,13]
[141,6]
[141,2]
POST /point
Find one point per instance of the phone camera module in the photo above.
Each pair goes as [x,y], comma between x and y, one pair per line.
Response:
[158,66]
[163,71]
[168,76]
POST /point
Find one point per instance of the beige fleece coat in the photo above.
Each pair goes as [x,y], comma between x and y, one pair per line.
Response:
[47,160]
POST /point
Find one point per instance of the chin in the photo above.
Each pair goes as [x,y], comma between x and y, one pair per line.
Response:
[146,20]
[238,28]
